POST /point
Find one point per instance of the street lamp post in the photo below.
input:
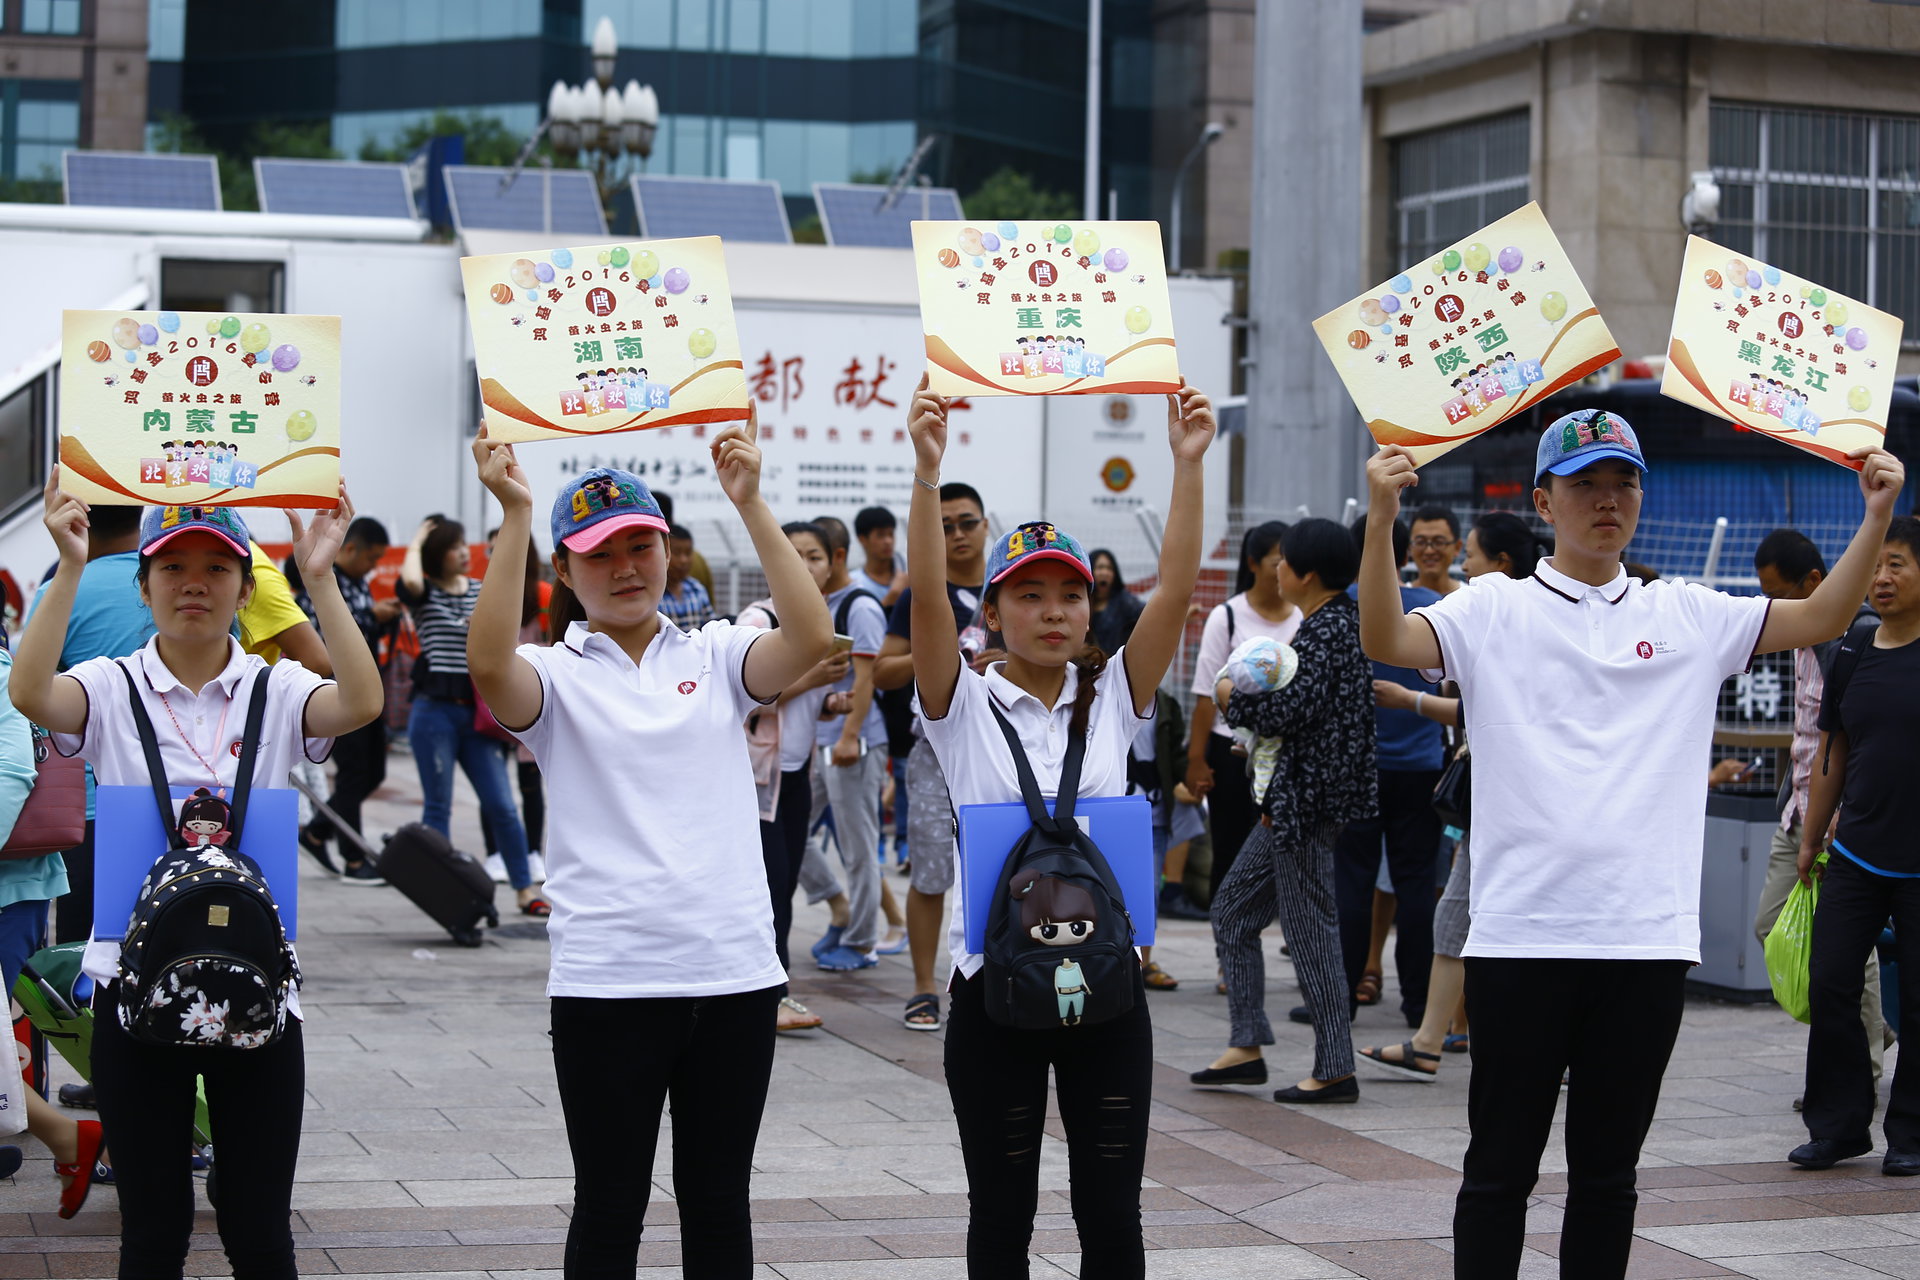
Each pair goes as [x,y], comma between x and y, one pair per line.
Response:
[596,118]
[1208,136]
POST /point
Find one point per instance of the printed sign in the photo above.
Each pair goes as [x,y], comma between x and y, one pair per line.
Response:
[193,408]
[605,338]
[1456,345]
[1025,309]
[1778,354]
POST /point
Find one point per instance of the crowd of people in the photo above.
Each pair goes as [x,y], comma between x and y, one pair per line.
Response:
[1330,791]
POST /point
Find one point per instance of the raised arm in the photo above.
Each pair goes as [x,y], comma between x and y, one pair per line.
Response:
[412,576]
[1796,624]
[1156,636]
[357,695]
[54,704]
[505,679]
[805,633]
[1387,633]
[936,642]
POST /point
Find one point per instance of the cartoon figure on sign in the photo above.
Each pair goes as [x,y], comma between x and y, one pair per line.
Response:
[203,820]
[1058,913]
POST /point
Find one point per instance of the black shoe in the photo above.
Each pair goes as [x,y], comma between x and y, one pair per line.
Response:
[1253,1071]
[77,1095]
[1824,1153]
[362,874]
[317,846]
[1304,1016]
[1900,1164]
[1176,905]
[1347,1090]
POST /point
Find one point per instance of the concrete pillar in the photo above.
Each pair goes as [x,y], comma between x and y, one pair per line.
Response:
[1305,444]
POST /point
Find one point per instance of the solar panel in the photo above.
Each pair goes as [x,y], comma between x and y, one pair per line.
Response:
[132,179]
[674,207]
[574,208]
[851,213]
[345,188]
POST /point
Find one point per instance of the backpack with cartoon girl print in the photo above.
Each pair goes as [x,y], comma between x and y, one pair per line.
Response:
[1059,942]
[205,961]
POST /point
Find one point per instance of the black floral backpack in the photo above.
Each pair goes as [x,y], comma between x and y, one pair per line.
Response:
[1059,942]
[205,961]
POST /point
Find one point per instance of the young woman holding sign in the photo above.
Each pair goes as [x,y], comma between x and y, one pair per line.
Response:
[1054,686]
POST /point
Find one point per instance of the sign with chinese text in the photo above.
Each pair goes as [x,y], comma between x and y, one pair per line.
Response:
[605,338]
[1032,308]
[1454,346]
[1777,354]
[179,408]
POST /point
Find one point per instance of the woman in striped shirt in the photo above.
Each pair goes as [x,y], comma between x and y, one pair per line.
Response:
[440,597]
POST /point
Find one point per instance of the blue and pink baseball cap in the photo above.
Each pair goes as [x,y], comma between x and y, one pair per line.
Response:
[601,503]
[1036,540]
[1579,439]
[161,525]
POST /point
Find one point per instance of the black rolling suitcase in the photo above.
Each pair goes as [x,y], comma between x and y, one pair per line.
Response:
[450,886]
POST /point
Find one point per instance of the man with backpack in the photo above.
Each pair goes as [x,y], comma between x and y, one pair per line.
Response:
[851,767]
[1870,727]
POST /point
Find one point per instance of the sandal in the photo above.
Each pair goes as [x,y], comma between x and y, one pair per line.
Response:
[74,1194]
[536,907]
[1407,1064]
[1368,992]
[794,1016]
[1156,978]
[1457,1044]
[923,1013]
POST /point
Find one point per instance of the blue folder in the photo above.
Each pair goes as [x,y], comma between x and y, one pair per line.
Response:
[1121,825]
[128,840]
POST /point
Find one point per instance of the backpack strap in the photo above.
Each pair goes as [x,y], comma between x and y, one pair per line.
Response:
[156,771]
[249,748]
[845,610]
[1055,823]
[1228,606]
[1845,659]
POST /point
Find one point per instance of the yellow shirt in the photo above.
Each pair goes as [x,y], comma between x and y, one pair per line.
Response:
[270,611]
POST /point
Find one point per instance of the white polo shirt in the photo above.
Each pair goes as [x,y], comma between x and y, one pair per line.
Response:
[979,767]
[1590,710]
[653,833]
[215,719]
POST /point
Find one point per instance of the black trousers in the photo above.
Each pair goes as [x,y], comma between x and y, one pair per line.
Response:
[73,910]
[997,1077]
[618,1062]
[1231,811]
[254,1097]
[783,846]
[1611,1025]
[1410,831]
[360,766]
[1853,909]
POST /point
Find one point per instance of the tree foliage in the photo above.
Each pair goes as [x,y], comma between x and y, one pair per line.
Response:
[1011,196]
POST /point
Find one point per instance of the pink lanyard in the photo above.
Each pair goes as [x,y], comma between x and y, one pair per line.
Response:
[219,735]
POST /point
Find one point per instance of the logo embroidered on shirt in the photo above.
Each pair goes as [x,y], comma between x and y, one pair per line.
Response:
[233,748]
[1644,649]
[688,686]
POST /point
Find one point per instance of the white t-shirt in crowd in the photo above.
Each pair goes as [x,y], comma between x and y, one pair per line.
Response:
[979,767]
[867,625]
[215,719]
[1216,648]
[1591,711]
[653,837]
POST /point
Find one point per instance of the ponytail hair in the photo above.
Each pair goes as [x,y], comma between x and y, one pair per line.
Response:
[1089,663]
[1254,546]
[1504,533]
[563,607]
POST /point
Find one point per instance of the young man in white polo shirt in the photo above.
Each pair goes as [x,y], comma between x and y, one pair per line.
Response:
[1589,700]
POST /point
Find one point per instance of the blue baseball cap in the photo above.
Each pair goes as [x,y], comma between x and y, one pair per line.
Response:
[1036,540]
[599,504]
[1579,439]
[161,525]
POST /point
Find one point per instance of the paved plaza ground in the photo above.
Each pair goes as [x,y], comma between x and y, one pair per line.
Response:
[434,1147]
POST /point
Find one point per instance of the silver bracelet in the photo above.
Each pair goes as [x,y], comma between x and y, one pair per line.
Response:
[931,488]
[1419,700]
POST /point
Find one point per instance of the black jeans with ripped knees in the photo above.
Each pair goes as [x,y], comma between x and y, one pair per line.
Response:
[997,1077]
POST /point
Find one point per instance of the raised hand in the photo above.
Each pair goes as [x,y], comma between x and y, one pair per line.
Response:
[1388,472]
[66,520]
[315,545]
[1190,423]
[927,425]
[736,459]
[500,472]
[1881,478]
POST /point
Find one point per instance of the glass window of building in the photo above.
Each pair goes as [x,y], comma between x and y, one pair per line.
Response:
[1450,182]
[23,444]
[167,30]
[362,24]
[50,17]
[1830,195]
[38,120]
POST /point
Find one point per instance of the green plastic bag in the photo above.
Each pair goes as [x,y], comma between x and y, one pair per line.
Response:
[1790,947]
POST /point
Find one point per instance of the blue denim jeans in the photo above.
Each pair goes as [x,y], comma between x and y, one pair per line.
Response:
[442,735]
[23,931]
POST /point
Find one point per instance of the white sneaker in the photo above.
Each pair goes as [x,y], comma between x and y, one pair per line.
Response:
[537,867]
[496,868]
